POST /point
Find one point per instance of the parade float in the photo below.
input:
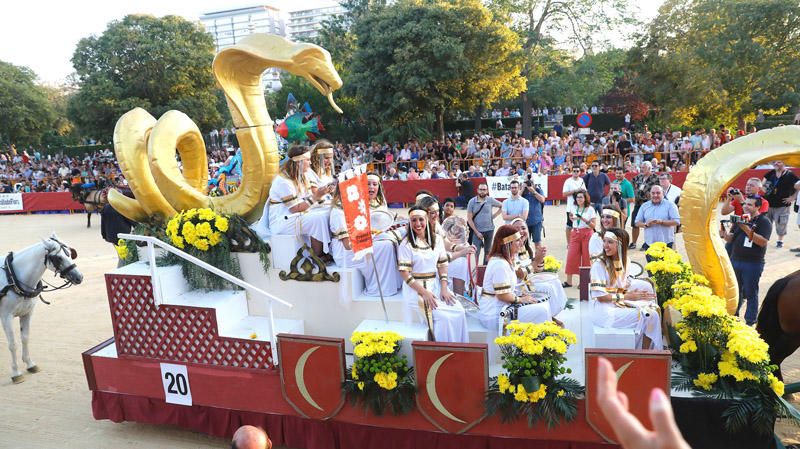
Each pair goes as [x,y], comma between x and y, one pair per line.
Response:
[280,340]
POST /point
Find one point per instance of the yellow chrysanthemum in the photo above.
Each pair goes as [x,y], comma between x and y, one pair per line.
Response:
[776,385]
[203,229]
[221,223]
[201,244]
[503,383]
[688,346]
[705,380]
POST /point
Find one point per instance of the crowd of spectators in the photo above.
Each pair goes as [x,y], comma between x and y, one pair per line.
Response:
[553,153]
[30,171]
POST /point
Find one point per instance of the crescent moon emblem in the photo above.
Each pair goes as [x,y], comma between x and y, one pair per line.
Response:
[430,385]
[623,368]
[299,375]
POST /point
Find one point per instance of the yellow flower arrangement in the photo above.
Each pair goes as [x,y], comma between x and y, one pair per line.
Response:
[200,229]
[380,376]
[533,357]
[551,264]
[122,249]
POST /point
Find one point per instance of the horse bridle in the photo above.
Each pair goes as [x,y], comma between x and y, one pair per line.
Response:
[56,262]
[25,291]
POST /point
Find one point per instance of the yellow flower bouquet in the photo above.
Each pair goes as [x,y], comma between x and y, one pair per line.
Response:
[722,357]
[535,382]
[666,269]
[380,378]
[551,264]
[127,251]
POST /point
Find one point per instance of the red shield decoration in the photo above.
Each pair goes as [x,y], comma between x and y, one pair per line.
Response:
[312,372]
[638,372]
[452,381]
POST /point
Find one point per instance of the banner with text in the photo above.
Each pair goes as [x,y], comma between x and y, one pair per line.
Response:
[355,203]
[11,202]
[500,186]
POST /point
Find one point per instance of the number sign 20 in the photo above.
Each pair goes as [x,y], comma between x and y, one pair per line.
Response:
[175,379]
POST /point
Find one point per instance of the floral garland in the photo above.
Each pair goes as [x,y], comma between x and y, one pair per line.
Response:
[666,269]
[380,378]
[723,357]
[551,264]
[534,383]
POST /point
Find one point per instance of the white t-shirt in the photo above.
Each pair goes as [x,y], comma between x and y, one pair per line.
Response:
[673,193]
[587,213]
[570,185]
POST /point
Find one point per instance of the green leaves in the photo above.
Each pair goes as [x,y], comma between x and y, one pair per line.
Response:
[154,63]
[25,112]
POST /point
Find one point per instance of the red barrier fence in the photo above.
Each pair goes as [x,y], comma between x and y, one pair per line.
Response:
[47,201]
[395,191]
[404,191]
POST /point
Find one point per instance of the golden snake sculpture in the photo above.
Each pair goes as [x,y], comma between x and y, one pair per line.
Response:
[145,147]
[706,183]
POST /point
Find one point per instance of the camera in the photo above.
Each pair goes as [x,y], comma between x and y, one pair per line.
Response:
[736,219]
[735,191]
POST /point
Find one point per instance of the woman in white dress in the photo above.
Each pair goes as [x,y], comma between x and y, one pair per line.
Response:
[321,174]
[619,303]
[291,199]
[527,264]
[610,217]
[500,281]
[420,258]
[457,254]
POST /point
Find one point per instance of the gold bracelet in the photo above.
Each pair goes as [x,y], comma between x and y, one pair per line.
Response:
[410,280]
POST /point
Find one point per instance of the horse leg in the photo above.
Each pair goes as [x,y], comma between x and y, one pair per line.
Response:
[88,218]
[24,332]
[16,376]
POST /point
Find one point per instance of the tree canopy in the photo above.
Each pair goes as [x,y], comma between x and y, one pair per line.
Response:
[705,60]
[154,63]
[416,60]
[25,112]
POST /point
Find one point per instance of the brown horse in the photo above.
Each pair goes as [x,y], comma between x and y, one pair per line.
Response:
[779,319]
[92,201]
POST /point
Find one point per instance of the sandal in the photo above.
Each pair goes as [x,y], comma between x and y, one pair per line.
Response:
[565,285]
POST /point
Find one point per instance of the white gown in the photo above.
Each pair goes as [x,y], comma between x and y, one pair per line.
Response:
[553,289]
[645,318]
[500,278]
[449,321]
[383,251]
[283,195]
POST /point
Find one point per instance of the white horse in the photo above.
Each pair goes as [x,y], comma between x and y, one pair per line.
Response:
[21,285]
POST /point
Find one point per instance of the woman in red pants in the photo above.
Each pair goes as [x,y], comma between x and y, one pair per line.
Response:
[583,217]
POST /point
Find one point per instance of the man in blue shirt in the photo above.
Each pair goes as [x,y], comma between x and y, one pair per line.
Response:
[516,206]
[533,194]
[659,218]
[596,183]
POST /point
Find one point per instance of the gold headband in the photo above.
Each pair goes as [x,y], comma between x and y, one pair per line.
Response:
[324,150]
[302,157]
[611,212]
[374,178]
[610,235]
[418,212]
[513,237]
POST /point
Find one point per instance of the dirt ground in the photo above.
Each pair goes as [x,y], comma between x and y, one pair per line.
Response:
[52,409]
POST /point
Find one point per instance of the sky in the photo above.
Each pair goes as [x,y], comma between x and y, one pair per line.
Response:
[42,34]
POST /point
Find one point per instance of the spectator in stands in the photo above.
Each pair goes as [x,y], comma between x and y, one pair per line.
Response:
[659,218]
[480,218]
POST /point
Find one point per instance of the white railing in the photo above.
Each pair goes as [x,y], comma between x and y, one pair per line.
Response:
[152,241]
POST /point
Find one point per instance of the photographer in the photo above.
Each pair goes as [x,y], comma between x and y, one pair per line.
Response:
[535,197]
[749,240]
[465,189]
[615,198]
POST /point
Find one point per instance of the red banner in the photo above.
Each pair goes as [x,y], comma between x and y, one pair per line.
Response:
[355,203]
[46,201]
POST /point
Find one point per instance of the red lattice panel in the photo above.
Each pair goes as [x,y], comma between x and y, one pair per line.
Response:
[172,333]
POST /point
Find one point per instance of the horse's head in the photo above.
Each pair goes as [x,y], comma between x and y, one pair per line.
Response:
[59,256]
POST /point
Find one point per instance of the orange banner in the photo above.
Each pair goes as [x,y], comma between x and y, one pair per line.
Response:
[355,202]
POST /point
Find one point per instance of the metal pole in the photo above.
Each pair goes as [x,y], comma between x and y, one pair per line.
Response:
[380,288]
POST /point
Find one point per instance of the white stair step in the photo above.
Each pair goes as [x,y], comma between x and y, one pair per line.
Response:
[170,277]
[230,305]
[260,326]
